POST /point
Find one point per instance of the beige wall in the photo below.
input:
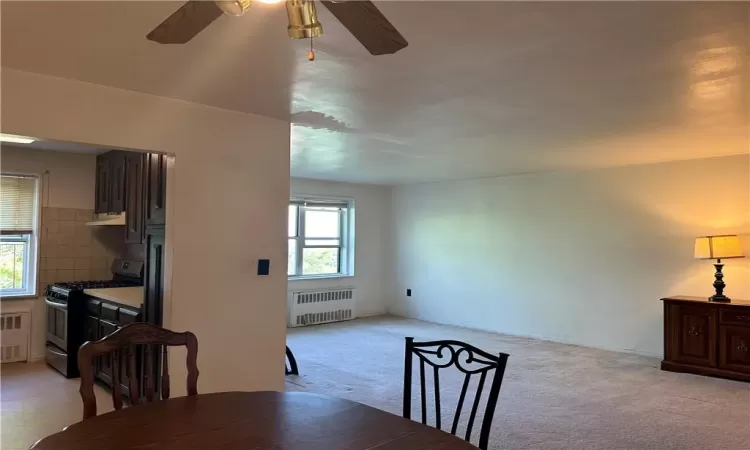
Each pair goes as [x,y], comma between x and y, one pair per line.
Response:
[229,190]
[372,222]
[69,180]
[580,257]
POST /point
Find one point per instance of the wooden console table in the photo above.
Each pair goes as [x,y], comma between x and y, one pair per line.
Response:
[707,338]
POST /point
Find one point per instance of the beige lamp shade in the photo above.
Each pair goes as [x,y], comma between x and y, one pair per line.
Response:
[718,247]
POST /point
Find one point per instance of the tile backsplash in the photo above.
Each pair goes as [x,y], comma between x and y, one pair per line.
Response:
[70,250]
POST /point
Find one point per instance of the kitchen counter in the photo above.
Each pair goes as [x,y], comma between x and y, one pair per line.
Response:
[128,296]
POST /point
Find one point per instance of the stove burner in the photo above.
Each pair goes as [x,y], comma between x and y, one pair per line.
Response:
[63,290]
[96,284]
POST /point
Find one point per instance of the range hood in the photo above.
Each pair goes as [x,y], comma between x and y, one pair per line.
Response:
[107,219]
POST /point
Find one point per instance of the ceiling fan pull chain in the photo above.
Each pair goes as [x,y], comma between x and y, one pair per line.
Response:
[311,53]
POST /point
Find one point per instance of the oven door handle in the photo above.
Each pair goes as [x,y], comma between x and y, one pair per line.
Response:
[55,352]
[55,304]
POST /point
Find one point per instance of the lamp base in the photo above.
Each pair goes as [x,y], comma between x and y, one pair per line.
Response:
[719,299]
[719,285]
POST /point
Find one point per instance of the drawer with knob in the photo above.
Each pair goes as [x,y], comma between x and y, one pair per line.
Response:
[729,316]
[734,342]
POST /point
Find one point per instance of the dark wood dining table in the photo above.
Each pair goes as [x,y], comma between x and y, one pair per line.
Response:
[251,421]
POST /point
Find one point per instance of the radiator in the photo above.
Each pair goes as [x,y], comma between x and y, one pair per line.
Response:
[321,306]
[15,333]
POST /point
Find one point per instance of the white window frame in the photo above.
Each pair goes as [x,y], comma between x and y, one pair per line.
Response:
[27,240]
[31,249]
[346,231]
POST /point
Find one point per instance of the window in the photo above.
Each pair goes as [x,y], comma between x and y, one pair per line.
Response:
[319,238]
[18,222]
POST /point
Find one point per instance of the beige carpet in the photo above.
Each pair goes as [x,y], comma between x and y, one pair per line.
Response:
[554,396]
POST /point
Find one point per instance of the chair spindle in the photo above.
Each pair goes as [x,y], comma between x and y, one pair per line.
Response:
[116,389]
[165,374]
[149,372]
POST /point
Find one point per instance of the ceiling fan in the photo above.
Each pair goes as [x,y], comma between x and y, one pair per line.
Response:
[362,18]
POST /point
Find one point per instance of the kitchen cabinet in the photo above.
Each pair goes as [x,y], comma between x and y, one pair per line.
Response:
[110,182]
[137,182]
[153,281]
[134,198]
[104,365]
[103,318]
[117,199]
[156,189]
[91,331]
[103,184]
[133,183]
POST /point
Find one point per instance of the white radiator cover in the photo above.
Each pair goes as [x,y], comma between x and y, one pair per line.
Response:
[15,335]
[312,307]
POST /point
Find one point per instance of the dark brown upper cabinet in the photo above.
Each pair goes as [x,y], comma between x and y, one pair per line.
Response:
[134,198]
[134,183]
[103,184]
[110,182]
[156,186]
[118,182]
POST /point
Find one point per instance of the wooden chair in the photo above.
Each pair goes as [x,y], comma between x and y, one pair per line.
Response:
[470,361]
[291,368]
[121,346]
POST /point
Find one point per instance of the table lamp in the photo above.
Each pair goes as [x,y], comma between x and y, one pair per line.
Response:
[718,248]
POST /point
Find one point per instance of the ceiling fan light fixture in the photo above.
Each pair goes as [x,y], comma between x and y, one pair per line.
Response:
[234,7]
[303,19]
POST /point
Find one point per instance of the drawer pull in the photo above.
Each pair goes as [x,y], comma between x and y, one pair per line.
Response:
[742,347]
[745,318]
[694,331]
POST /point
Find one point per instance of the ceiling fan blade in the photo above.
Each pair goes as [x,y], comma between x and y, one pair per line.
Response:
[365,21]
[186,22]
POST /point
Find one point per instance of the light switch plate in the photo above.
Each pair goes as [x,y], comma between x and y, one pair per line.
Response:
[264,266]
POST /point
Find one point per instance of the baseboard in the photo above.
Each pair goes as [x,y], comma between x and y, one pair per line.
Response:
[36,358]
[372,314]
[539,338]
[705,371]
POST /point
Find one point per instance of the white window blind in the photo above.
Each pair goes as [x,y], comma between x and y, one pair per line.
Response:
[17,204]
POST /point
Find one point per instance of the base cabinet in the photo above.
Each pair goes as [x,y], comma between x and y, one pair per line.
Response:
[692,331]
[707,338]
[104,365]
[105,318]
[734,347]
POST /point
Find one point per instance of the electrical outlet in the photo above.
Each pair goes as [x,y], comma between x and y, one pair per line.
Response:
[408,292]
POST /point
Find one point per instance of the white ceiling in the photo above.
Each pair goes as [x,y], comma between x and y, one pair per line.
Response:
[483,89]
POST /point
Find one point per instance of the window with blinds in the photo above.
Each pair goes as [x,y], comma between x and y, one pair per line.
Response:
[320,237]
[17,204]
[18,218]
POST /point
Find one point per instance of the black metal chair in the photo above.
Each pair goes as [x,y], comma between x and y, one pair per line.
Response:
[291,368]
[470,361]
